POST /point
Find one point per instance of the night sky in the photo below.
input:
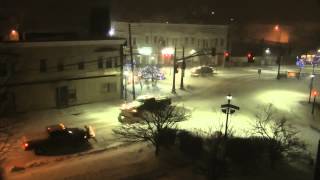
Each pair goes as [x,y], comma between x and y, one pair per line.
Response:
[270,11]
[55,12]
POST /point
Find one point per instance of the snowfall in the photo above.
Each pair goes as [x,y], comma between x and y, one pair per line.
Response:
[111,159]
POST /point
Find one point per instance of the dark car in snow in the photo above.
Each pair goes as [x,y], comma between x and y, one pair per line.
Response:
[202,71]
[59,139]
[132,112]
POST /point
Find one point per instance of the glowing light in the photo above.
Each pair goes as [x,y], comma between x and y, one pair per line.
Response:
[167,51]
[318,51]
[229,97]
[268,51]
[226,54]
[193,51]
[277,28]
[147,51]
[315,93]
[13,32]
[111,32]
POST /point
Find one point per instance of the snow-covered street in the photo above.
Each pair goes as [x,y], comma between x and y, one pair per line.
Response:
[203,95]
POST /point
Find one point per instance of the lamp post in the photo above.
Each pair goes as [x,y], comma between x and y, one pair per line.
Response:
[315,93]
[229,98]
[311,86]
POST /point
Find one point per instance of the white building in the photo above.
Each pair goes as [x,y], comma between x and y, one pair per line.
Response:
[156,41]
[40,75]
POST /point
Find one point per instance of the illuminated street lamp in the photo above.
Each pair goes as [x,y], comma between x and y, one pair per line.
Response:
[268,51]
[111,31]
[229,97]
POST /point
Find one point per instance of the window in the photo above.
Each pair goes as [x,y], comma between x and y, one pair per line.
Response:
[72,94]
[216,42]
[60,66]
[198,43]
[111,87]
[116,64]
[134,41]
[221,42]
[192,41]
[81,65]
[43,65]
[100,63]
[3,69]
[155,40]
[109,63]
[147,39]
[186,41]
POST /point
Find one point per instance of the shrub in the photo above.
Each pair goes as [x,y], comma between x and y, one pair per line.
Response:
[167,137]
[190,144]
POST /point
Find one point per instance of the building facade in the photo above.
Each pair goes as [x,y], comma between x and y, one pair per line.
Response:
[41,75]
[155,42]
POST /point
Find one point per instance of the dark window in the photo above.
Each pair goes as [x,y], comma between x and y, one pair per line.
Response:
[116,64]
[192,41]
[100,63]
[222,42]
[147,39]
[43,65]
[186,41]
[111,87]
[81,65]
[109,63]
[72,94]
[60,66]
[3,69]
[155,40]
[134,41]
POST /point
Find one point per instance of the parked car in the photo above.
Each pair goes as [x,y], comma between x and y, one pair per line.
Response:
[58,138]
[132,112]
[202,71]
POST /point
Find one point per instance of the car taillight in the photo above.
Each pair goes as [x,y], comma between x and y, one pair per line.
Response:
[25,145]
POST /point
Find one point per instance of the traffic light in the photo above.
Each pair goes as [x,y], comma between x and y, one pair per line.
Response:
[213,52]
[226,56]
[176,68]
[250,57]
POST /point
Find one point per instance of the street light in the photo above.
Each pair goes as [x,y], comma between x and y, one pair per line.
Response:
[111,32]
[268,51]
[229,97]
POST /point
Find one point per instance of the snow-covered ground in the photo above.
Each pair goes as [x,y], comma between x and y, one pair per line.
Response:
[203,96]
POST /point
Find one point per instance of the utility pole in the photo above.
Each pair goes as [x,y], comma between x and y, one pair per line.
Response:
[311,84]
[174,73]
[183,67]
[121,72]
[279,53]
[317,167]
[132,65]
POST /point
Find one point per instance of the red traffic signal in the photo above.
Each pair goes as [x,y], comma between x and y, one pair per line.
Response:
[315,93]
[250,57]
[226,54]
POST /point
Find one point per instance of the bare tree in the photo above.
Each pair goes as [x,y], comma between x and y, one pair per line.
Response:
[153,125]
[281,135]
